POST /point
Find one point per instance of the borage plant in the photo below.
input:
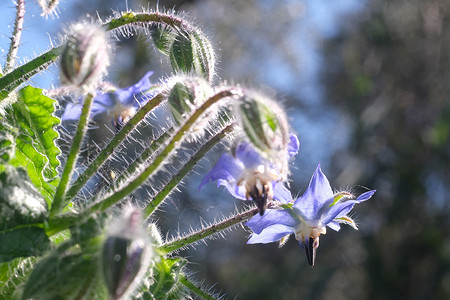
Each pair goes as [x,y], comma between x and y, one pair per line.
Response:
[79,229]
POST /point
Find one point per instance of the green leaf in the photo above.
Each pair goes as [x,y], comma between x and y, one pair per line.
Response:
[23,242]
[22,212]
[13,274]
[20,202]
[66,276]
[31,121]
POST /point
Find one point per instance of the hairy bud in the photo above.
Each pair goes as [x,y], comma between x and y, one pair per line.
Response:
[191,52]
[85,56]
[264,122]
[125,256]
[187,94]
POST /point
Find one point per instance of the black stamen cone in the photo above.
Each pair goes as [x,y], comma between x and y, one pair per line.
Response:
[310,251]
[261,200]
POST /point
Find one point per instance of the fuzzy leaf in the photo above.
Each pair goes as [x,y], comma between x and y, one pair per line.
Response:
[23,242]
[20,202]
[30,120]
[62,276]
[13,274]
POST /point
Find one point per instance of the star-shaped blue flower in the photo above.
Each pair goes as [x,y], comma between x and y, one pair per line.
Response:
[307,217]
[248,175]
[117,106]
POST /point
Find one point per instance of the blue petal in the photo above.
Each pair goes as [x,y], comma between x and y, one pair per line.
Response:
[334,225]
[133,94]
[248,155]
[317,195]
[294,145]
[227,168]
[270,234]
[281,193]
[365,196]
[338,210]
[237,191]
[271,217]
[72,112]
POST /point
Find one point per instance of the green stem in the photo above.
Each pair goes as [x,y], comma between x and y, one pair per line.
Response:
[158,199]
[12,80]
[199,235]
[59,199]
[146,18]
[155,144]
[117,196]
[195,289]
[112,145]
[15,39]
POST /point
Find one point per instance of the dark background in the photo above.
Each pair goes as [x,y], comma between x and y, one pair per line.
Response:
[366,86]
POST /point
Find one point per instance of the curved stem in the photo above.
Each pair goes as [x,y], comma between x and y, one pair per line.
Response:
[195,289]
[58,201]
[15,39]
[208,231]
[160,158]
[159,198]
[145,18]
[16,77]
[112,145]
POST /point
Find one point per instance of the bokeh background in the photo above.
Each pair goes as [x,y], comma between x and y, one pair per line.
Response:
[366,87]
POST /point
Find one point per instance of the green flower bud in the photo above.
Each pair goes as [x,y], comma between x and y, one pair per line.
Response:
[125,256]
[264,122]
[191,52]
[186,95]
[85,56]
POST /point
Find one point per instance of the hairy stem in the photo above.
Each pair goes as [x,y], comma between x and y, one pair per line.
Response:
[158,199]
[59,200]
[16,77]
[208,231]
[117,196]
[147,18]
[15,39]
[195,289]
[12,80]
[112,145]
[155,144]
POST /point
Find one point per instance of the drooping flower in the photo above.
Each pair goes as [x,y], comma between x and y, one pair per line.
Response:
[115,106]
[307,217]
[247,174]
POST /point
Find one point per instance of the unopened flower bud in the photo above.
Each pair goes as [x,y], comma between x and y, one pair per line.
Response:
[85,56]
[264,122]
[191,52]
[186,95]
[126,255]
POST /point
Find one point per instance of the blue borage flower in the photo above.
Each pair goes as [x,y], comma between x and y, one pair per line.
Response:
[248,175]
[119,105]
[306,217]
